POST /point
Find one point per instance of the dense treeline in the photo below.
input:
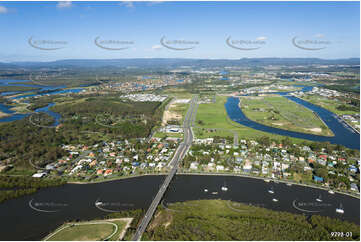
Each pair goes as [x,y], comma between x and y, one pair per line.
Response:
[344,107]
[17,186]
[109,115]
[28,182]
[223,220]
[10,194]
[22,143]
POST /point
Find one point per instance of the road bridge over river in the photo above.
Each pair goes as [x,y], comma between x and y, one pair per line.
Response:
[174,163]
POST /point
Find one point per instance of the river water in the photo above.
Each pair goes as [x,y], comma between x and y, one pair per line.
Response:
[343,133]
[33,217]
[45,90]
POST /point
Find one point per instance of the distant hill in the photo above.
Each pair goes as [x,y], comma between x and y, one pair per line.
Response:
[177,62]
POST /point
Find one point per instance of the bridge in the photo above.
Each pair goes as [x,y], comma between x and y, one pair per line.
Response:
[173,164]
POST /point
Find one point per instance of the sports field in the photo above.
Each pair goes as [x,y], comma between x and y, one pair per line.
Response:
[96,230]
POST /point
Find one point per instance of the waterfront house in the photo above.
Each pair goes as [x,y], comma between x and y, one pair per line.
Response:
[108,172]
[353,169]
[194,166]
[247,167]
[317,179]
[354,187]
[220,168]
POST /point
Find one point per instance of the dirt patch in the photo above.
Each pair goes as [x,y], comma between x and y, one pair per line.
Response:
[316,130]
[163,218]
[170,115]
[3,115]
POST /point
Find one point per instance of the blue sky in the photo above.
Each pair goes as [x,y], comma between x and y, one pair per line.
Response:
[269,26]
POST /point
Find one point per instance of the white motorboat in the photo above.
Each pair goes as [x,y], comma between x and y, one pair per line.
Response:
[206,190]
[331,192]
[289,184]
[271,190]
[319,199]
[266,180]
[224,188]
[275,199]
[214,193]
[340,209]
[98,203]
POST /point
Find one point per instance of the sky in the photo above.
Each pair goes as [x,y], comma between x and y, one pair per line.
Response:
[47,31]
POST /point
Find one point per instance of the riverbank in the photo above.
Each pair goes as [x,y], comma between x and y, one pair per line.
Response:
[338,115]
[224,220]
[279,111]
[73,202]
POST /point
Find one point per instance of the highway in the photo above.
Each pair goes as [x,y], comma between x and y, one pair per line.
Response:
[173,164]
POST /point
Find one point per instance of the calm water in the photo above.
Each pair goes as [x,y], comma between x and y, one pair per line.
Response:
[74,201]
[47,90]
[343,134]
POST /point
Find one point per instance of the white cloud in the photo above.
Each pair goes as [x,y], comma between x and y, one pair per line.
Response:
[127,4]
[151,3]
[3,9]
[261,38]
[64,4]
[319,35]
[156,47]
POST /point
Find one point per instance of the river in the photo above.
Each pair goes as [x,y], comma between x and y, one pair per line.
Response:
[343,133]
[45,90]
[32,217]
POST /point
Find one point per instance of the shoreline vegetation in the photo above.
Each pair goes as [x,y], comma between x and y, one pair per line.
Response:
[226,220]
[18,186]
[205,220]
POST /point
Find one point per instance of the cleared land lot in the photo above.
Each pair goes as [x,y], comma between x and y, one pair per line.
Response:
[111,229]
[212,116]
[279,112]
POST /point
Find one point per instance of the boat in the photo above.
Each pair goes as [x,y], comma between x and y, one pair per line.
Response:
[319,199]
[266,180]
[214,193]
[331,192]
[206,190]
[340,209]
[224,187]
[271,190]
[98,203]
[275,199]
[289,184]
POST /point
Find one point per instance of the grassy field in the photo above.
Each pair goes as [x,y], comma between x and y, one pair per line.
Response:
[326,103]
[180,109]
[214,115]
[279,112]
[219,220]
[17,88]
[177,92]
[86,231]
[162,135]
